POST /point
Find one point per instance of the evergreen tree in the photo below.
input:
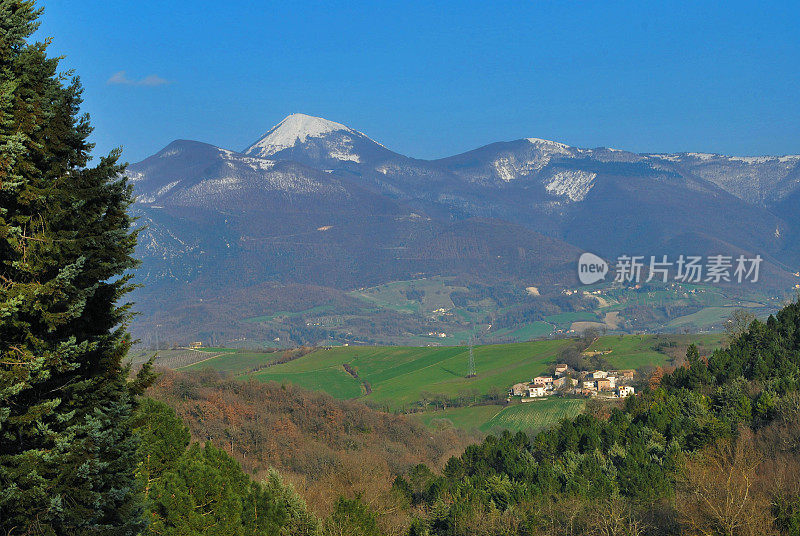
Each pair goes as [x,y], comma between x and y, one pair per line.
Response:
[67,451]
[193,490]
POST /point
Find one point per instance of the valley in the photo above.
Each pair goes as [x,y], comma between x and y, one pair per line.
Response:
[430,383]
[446,311]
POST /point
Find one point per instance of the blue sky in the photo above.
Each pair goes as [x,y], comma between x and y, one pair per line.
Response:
[433,79]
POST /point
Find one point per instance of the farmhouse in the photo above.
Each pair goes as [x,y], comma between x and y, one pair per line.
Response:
[604,384]
[536,392]
[625,391]
[561,369]
[519,389]
[559,383]
[543,380]
[589,384]
[624,374]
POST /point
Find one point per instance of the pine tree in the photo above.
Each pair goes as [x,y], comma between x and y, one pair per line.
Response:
[67,452]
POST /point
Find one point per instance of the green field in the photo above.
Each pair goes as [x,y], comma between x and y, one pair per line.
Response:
[536,415]
[466,418]
[415,313]
[704,317]
[566,319]
[527,332]
[434,293]
[633,351]
[399,375]
[526,417]
[233,360]
[399,378]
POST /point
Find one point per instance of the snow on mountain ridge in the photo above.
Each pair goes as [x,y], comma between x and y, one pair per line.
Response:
[293,129]
[551,146]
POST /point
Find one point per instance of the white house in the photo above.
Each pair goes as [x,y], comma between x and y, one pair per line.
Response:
[536,392]
[597,374]
[625,391]
[589,385]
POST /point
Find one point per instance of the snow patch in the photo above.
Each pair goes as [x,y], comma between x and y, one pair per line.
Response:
[505,169]
[552,147]
[167,188]
[668,157]
[752,159]
[258,164]
[352,157]
[572,184]
[702,156]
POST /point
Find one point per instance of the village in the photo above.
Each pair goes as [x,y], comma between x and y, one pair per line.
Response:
[567,381]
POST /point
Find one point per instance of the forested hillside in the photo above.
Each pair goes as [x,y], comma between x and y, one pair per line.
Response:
[326,447]
[711,448]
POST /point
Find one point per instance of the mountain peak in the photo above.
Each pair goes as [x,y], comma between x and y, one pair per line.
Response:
[549,145]
[293,129]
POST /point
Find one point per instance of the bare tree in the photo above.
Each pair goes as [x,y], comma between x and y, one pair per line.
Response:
[737,324]
[719,494]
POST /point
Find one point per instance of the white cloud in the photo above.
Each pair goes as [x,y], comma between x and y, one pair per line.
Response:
[120,78]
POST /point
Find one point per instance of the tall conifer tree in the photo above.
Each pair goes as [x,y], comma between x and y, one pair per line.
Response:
[67,454]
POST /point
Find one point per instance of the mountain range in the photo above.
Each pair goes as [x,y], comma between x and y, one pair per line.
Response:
[322,209]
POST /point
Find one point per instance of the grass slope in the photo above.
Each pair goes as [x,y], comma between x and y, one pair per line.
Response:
[526,417]
[534,416]
[399,375]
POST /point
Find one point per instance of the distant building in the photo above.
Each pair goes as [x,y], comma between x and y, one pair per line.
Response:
[589,385]
[625,374]
[195,345]
[561,369]
[536,391]
[625,391]
[543,380]
[558,383]
[604,384]
[519,389]
[597,374]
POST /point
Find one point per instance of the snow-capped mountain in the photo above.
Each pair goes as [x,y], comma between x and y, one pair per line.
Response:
[190,173]
[314,202]
[763,180]
[316,141]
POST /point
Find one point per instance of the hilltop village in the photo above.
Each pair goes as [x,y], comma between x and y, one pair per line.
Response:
[567,381]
